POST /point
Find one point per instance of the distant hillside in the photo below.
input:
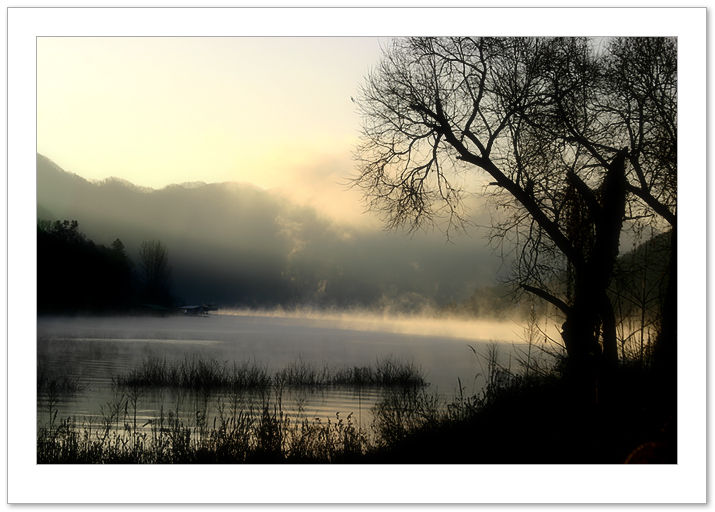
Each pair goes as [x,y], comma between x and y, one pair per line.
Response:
[236,244]
[640,278]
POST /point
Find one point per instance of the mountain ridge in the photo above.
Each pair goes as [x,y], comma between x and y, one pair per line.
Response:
[240,244]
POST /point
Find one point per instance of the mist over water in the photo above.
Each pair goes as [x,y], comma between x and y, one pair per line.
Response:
[237,244]
[94,350]
[426,324]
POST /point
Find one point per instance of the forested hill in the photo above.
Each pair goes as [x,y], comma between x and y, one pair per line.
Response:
[238,245]
[76,275]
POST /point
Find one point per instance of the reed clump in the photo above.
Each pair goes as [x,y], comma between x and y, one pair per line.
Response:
[195,373]
[206,374]
[385,373]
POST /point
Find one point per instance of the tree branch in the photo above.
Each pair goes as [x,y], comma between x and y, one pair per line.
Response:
[547,297]
[513,188]
[657,206]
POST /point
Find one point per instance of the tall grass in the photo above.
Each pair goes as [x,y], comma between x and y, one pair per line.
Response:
[516,418]
[195,373]
[202,374]
[241,430]
[385,373]
[238,433]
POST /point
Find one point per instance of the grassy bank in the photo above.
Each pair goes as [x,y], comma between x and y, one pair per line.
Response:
[515,419]
[237,435]
[538,420]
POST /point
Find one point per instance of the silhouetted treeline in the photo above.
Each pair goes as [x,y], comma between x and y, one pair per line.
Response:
[76,275]
[154,273]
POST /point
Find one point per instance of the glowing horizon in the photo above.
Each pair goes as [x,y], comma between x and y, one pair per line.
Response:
[275,112]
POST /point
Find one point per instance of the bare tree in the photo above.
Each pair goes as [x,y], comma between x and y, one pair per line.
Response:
[536,116]
[155,272]
[642,73]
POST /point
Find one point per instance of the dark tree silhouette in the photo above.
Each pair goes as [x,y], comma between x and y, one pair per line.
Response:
[155,272]
[571,157]
[76,275]
[643,77]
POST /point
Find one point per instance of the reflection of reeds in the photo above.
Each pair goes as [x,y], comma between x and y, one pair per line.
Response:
[198,374]
[55,384]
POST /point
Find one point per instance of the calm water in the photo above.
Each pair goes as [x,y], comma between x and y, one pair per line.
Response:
[94,350]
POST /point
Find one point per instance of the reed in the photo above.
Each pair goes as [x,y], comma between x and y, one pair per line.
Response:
[205,374]
[239,433]
[195,373]
[515,419]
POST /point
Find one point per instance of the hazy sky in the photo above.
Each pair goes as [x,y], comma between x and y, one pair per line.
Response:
[275,112]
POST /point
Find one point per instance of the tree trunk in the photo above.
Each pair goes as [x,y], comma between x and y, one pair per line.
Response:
[605,254]
[581,339]
[610,338]
[592,309]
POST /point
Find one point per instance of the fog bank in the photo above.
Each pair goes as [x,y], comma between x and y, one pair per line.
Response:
[239,245]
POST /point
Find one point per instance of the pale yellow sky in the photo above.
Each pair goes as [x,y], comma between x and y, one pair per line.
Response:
[275,112]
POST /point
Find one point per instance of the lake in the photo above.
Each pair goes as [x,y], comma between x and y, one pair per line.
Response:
[94,350]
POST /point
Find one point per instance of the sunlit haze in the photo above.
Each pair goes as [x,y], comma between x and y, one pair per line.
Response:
[275,112]
[425,324]
[356,250]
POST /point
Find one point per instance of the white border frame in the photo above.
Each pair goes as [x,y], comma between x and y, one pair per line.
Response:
[31,483]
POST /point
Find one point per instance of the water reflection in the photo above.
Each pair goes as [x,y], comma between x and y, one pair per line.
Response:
[148,405]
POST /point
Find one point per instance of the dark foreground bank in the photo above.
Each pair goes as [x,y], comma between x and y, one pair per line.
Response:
[543,421]
[537,419]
